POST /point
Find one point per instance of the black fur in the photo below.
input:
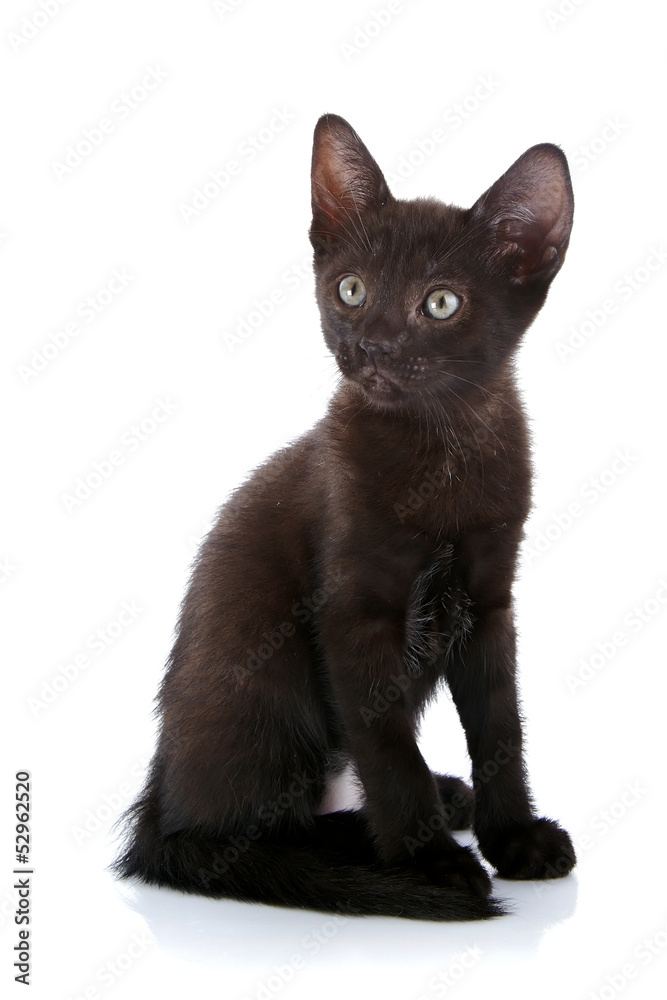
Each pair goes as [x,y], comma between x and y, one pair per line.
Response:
[364,565]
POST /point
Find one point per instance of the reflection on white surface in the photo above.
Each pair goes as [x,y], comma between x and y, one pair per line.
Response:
[199,930]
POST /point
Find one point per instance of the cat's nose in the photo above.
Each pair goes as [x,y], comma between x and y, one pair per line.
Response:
[376,350]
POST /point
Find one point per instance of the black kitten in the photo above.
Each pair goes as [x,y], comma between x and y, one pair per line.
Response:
[364,565]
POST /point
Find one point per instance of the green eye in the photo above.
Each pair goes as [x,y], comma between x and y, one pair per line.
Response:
[441,303]
[352,291]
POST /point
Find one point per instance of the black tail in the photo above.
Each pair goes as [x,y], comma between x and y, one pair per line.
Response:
[329,867]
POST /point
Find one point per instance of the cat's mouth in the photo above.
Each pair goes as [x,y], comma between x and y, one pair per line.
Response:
[385,381]
[375,381]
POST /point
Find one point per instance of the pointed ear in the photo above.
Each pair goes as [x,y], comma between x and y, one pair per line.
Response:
[528,212]
[345,179]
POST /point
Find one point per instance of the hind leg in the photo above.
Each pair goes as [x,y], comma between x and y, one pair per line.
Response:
[458,799]
[345,832]
[349,828]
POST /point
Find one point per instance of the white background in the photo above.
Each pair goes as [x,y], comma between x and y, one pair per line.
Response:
[590,80]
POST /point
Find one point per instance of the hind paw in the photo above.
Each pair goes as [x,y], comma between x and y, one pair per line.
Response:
[458,799]
[540,850]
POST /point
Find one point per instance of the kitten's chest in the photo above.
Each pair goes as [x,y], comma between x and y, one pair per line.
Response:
[400,476]
[447,490]
[434,490]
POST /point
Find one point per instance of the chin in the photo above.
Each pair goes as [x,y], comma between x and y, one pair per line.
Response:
[385,393]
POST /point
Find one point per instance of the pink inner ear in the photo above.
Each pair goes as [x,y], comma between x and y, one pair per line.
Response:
[337,190]
[530,209]
[331,171]
[345,177]
[536,244]
[330,183]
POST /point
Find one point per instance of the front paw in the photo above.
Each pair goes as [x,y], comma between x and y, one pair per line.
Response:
[457,869]
[540,850]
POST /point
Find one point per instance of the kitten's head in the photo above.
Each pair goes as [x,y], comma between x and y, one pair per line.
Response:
[421,300]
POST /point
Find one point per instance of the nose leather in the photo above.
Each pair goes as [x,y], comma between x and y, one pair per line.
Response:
[375,351]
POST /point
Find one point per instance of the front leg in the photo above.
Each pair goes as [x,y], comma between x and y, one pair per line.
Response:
[363,640]
[482,678]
